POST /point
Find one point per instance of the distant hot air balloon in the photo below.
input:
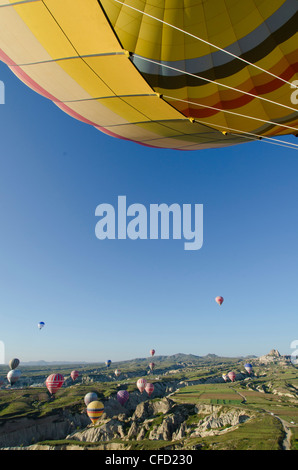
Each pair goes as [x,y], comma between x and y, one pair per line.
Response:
[108,362]
[89,397]
[74,375]
[232,376]
[151,365]
[219,300]
[117,372]
[54,382]
[152,352]
[122,396]
[94,410]
[41,324]
[141,383]
[225,377]
[13,363]
[13,376]
[149,388]
[248,368]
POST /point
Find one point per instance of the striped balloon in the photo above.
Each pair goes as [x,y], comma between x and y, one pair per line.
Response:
[89,397]
[122,396]
[95,410]
[149,388]
[54,382]
[13,363]
[141,383]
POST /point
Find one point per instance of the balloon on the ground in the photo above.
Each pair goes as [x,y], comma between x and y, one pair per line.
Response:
[191,75]
[122,396]
[141,383]
[89,397]
[13,363]
[95,410]
[54,382]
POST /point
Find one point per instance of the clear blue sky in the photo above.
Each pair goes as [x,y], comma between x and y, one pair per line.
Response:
[117,299]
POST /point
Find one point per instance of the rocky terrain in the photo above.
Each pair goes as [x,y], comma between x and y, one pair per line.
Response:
[160,418]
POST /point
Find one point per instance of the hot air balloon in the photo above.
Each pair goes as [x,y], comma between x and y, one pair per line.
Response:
[122,396]
[13,376]
[89,397]
[141,383]
[225,377]
[182,75]
[41,324]
[13,363]
[232,376]
[74,375]
[151,366]
[94,410]
[108,363]
[219,300]
[149,388]
[152,352]
[248,368]
[54,382]
[117,372]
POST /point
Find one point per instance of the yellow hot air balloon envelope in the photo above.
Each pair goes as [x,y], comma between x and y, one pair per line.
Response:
[94,410]
[182,75]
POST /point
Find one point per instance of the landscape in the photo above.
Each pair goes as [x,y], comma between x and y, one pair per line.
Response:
[194,405]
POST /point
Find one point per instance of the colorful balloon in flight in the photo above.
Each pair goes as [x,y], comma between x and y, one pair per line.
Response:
[95,410]
[152,352]
[219,300]
[74,375]
[151,366]
[149,388]
[122,396]
[54,382]
[13,363]
[232,376]
[248,368]
[141,383]
[188,81]
[117,372]
[225,377]
[89,397]
[108,362]
[41,324]
[13,376]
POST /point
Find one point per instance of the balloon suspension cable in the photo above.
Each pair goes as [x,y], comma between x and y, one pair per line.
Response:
[206,42]
[236,132]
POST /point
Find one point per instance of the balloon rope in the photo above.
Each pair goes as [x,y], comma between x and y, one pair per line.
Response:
[232,112]
[214,82]
[239,133]
[208,43]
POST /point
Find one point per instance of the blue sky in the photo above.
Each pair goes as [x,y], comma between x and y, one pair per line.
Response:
[117,299]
